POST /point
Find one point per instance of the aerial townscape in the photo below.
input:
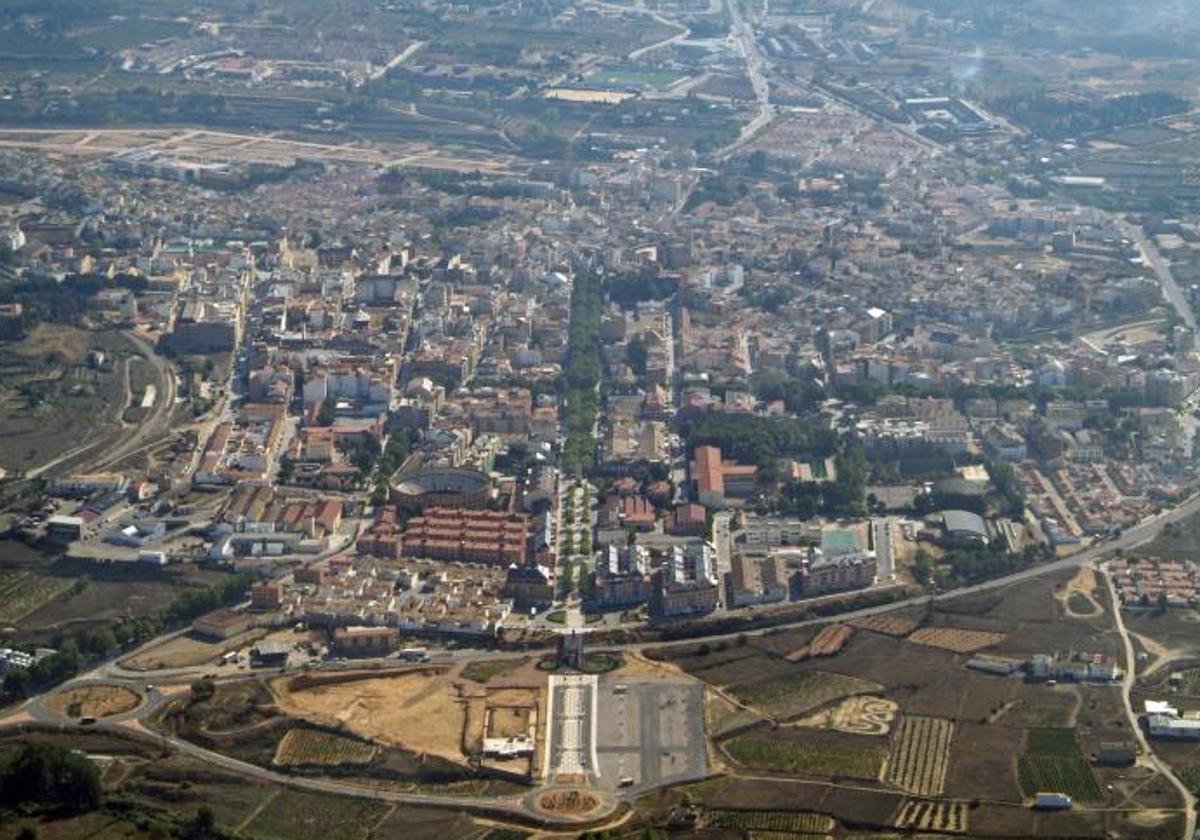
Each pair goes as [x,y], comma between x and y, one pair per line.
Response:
[596,419]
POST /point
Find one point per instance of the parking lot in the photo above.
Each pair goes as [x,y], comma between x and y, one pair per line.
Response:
[650,733]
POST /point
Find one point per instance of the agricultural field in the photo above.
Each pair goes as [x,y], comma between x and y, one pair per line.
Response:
[786,822]
[956,640]
[305,816]
[888,625]
[305,746]
[93,701]
[797,693]
[921,755]
[1190,776]
[439,824]
[22,593]
[48,393]
[807,755]
[859,715]
[111,594]
[1052,761]
[642,78]
[828,642]
[781,643]
[722,717]
[928,815]
[418,710]
[178,785]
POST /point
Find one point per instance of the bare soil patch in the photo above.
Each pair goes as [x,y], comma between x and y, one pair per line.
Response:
[421,711]
[93,701]
[888,625]
[828,642]
[954,639]
[186,651]
[1078,597]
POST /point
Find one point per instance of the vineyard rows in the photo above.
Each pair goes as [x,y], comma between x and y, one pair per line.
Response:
[888,625]
[794,694]
[956,640]
[1053,763]
[920,755]
[303,746]
[791,822]
[796,757]
[928,815]
[21,593]
[830,640]
[1044,773]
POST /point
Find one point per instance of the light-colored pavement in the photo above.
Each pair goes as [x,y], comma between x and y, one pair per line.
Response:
[723,542]
[882,531]
[571,729]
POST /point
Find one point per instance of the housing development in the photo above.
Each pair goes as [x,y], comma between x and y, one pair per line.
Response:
[496,420]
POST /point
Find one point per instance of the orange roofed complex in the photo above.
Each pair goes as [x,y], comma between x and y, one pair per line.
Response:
[468,536]
[718,483]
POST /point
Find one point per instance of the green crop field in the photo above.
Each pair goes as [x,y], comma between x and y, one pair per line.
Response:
[787,822]
[23,592]
[1190,776]
[300,816]
[793,694]
[1052,762]
[1054,742]
[766,753]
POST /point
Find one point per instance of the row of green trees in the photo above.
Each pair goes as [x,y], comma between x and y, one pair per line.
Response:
[1056,117]
[395,453]
[580,403]
[47,775]
[43,778]
[45,298]
[760,440]
[970,565]
[845,496]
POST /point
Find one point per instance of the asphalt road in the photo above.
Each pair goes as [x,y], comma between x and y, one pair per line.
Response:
[1127,683]
[1132,537]
[743,36]
[1162,271]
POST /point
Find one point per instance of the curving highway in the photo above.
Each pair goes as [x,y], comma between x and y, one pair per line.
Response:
[1127,683]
